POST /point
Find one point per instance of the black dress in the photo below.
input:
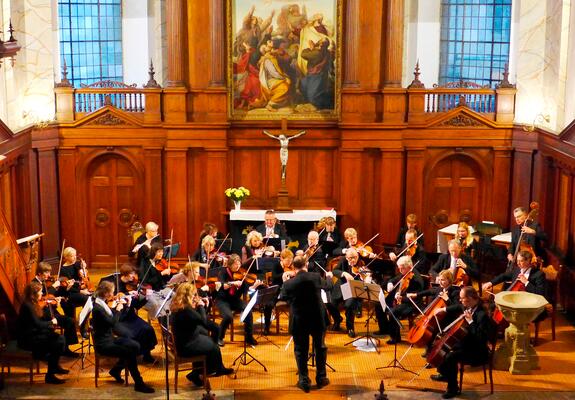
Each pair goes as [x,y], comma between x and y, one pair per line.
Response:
[229,300]
[73,296]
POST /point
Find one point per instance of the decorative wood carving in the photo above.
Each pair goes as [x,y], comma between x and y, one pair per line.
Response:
[175,32]
[108,119]
[462,120]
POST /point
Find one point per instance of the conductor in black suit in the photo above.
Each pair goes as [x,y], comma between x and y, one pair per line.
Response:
[307,317]
[453,260]
[271,228]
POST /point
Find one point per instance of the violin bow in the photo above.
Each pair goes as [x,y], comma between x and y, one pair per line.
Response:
[403,277]
[366,243]
[218,250]
[170,246]
[248,270]
[193,274]
[410,245]
[61,258]
[117,277]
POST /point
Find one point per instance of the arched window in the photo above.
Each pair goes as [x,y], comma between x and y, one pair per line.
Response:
[91,40]
[475,38]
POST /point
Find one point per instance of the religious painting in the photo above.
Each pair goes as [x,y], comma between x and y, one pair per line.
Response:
[284,59]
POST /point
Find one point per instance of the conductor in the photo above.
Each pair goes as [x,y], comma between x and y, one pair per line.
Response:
[307,317]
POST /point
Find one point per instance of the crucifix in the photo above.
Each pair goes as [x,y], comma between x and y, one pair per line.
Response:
[284,140]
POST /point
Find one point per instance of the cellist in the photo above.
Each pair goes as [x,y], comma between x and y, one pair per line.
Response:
[473,348]
[533,234]
[408,280]
[456,260]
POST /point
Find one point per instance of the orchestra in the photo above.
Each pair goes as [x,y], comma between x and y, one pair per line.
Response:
[213,281]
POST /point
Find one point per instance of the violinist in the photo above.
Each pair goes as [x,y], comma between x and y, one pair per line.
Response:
[532,278]
[410,223]
[313,253]
[149,274]
[271,228]
[472,349]
[70,289]
[255,247]
[350,240]
[229,298]
[144,242]
[130,324]
[189,326]
[37,334]
[415,251]
[43,272]
[105,321]
[460,264]
[205,254]
[448,292]
[345,272]
[279,269]
[533,234]
[408,280]
[210,229]
[329,233]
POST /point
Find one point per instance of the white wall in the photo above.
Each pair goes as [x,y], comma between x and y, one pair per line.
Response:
[135,41]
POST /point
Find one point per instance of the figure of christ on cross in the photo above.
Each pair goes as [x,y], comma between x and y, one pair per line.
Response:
[284,142]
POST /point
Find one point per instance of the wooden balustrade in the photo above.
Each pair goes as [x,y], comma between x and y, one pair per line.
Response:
[89,100]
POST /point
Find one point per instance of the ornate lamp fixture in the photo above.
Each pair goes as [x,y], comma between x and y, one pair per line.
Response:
[10,47]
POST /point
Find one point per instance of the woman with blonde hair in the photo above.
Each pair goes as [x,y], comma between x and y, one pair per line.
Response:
[189,326]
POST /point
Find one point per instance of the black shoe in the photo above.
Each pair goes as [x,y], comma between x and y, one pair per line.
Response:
[143,388]
[266,331]
[322,382]
[351,333]
[148,359]
[438,378]
[221,342]
[251,341]
[449,394]
[393,341]
[117,375]
[85,335]
[304,386]
[358,314]
[53,379]
[61,371]
[224,371]
[70,354]
[195,378]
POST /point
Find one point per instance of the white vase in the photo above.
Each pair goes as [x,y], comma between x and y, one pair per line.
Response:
[237,204]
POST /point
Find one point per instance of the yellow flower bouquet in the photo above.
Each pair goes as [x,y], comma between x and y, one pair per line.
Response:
[237,194]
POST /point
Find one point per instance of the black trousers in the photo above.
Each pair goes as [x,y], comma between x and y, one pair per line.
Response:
[66,323]
[49,347]
[226,309]
[351,306]
[301,352]
[387,323]
[126,350]
[204,345]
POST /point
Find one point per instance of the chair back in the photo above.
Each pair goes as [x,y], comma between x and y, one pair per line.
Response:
[168,337]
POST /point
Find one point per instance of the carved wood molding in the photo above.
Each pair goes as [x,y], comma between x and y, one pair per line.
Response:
[109,119]
[462,120]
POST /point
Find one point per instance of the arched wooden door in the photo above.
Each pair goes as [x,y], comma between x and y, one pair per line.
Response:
[455,193]
[114,198]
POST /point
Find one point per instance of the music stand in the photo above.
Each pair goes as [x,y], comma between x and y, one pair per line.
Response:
[225,245]
[83,316]
[266,296]
[369,292]
[164,313]
[174,248]
[245,356]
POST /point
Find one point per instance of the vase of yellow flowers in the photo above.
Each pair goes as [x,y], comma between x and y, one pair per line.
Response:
[237,195]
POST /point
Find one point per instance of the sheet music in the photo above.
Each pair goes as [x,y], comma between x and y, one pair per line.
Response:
[381,298]
[346,291]
[249,306]
[86,310]
[323,296]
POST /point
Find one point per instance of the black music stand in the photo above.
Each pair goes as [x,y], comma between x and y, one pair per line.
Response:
[245,355]
[396,363]
[164,313]
[369,292]
[266,296]
[224,245]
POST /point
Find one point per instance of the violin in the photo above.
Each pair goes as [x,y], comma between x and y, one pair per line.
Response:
[132,285]
[363,250]
[48,300]
[163,264]
[405,282]
[360,271]
[245,276]
[461,278]
[428,323]
[85,280]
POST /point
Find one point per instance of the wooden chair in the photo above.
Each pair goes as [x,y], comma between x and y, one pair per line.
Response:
[281,307]
[98,358]
[215,313]
[552,275]
[169,339]
[10,353]
[487,366]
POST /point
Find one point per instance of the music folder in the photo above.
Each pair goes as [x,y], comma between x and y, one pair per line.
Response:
[224,245]
[360,290]
[175,248]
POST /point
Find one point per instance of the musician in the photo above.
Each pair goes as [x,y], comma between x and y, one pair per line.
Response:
[415,251]
[190,327]
[344,272]
[455,259]
[307,317]
[533,234]
[254,246]
[525,272]
[350,240]
[278,269]
[229,298]
[410,223]
[271,228]
[71,291]
[472,349]
[105,321]
[205,254]
[130,324]
[148,274]
[329,233]
[37,334]
[408,280]
[144,242]
[210,229]
[313,253]
[463,235]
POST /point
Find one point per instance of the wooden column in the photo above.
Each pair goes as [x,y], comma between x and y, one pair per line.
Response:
[217,43]
[153,206]
[351,44]
[393,63]
[175,23]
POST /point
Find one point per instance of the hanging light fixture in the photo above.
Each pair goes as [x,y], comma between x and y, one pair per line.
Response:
[10,47]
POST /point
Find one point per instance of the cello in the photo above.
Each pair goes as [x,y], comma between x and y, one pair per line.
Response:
[424,329]
[453,334]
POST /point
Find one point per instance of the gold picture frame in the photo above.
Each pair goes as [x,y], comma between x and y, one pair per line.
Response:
[270,44]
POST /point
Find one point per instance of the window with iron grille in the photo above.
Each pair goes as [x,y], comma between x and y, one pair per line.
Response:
[475,38]
[91,40]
